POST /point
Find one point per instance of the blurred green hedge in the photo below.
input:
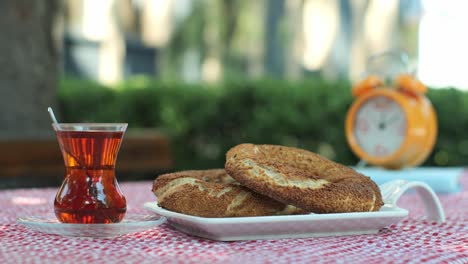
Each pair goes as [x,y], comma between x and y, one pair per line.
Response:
[204,121]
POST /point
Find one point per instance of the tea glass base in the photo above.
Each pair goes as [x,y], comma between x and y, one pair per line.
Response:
[131,224]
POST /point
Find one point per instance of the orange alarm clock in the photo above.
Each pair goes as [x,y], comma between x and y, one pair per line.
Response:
[391,126]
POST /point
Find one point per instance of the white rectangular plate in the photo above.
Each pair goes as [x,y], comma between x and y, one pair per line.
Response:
[286,226]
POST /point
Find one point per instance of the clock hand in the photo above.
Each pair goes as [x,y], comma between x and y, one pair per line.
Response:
[381,117]
[377,118]
[392,119]
[381,123]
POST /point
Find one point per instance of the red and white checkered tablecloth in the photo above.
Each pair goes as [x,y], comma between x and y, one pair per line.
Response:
[413,240]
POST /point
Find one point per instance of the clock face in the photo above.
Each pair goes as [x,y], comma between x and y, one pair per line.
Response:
[380,126]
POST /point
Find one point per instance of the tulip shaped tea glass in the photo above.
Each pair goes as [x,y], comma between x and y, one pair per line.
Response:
[89,193]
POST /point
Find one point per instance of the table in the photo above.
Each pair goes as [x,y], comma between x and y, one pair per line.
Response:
[413,240]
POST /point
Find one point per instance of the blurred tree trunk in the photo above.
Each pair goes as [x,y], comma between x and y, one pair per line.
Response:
[274,52]
[28,67]
[230,15]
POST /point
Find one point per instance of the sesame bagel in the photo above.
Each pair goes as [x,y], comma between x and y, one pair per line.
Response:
[213,193]
[302,178]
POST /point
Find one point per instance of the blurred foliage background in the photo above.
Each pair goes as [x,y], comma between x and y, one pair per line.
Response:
[204,120]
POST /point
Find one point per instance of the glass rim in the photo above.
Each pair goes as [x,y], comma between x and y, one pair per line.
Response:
[90,126]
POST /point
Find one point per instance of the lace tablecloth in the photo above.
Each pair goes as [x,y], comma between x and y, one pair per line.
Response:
[413,240]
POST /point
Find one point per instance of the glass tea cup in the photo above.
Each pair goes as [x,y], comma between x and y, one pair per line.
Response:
[90,193]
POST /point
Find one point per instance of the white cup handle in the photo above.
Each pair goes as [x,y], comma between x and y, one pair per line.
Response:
[392,190]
